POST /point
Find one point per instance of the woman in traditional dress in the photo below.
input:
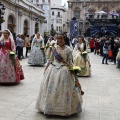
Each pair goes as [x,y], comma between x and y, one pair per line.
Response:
[48,47]
[58,93]
[10,68]
[37,55]
[81,58]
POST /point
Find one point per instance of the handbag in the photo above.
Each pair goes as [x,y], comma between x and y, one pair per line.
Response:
[110,53]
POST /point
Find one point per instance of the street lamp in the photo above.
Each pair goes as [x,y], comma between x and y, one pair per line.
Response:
[84,21]
[2,12]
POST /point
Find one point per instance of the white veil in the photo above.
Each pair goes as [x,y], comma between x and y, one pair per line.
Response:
[11,38]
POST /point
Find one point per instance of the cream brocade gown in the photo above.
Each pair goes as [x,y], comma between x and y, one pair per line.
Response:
[58,94]
[79,60]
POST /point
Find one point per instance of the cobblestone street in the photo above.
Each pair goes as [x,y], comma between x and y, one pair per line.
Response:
[101,100]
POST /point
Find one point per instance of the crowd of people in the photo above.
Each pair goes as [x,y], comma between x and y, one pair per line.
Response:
[63,64]
[64,60]
[108,47]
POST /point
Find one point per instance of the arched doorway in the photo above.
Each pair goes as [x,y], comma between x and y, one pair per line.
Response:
[36,27]
[91,12]
[26,27]
[11,23]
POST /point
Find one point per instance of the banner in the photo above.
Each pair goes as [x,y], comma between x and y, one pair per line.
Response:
[103,30]
[74,28]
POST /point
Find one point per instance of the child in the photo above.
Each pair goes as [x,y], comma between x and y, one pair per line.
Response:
[105,53]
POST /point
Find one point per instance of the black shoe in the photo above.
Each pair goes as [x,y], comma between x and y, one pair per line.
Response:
[102,62]
[107,64]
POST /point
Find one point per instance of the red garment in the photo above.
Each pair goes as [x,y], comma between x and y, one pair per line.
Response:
[92,43]
[9,73]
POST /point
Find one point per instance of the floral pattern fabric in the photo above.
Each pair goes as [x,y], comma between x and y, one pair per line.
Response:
[37,56]
[58,94]
[9,73]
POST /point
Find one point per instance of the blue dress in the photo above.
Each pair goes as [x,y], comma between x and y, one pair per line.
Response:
[37,55]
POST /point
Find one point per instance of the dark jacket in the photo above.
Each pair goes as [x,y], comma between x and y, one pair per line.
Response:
[67,41]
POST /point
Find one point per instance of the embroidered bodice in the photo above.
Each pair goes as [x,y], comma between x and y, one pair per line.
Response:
[66,54]
[6,44]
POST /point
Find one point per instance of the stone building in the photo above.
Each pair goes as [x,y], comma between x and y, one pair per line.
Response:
[21,16]
[55,14]
[45,6]
[59,18]
[79,9]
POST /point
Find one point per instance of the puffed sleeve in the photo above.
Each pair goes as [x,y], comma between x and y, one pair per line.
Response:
[13,47]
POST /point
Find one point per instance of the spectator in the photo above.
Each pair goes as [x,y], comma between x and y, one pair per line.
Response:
[19,46]
[92,45]
[105,53]
[27,44]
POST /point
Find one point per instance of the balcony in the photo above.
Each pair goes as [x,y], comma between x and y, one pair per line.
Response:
[59,16]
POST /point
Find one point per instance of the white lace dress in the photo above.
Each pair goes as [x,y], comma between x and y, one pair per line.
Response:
[79,60]
[58,94]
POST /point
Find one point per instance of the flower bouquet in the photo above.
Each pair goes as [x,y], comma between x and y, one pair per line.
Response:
[12,57]
[84,53]
[42,48]
[75,69]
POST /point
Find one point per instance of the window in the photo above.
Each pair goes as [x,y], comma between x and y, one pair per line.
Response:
[52,13]
[45,7]
[77,14]
[11,23]
[46,1]
[58,14]
[60,21]
[25,27]
[52,21]
[57,21]
[57,28]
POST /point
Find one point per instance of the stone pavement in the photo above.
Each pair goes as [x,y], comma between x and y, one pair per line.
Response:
[101,99]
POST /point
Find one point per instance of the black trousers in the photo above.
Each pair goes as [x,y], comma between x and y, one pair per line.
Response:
[19,49]
[27,49]
[105,57]
[92,49]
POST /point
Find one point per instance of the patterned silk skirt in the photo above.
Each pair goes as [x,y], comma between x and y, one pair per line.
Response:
[9,73]
[58,94]
[37,56]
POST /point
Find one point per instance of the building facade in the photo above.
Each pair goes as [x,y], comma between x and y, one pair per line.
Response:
[21,16]
[59,18]
[45,6]
[56,2]
[55,14]
[79,9]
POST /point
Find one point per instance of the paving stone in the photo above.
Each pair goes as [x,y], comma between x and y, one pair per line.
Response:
[100,102]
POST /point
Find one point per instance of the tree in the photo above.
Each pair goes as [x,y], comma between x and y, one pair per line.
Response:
[52,32]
